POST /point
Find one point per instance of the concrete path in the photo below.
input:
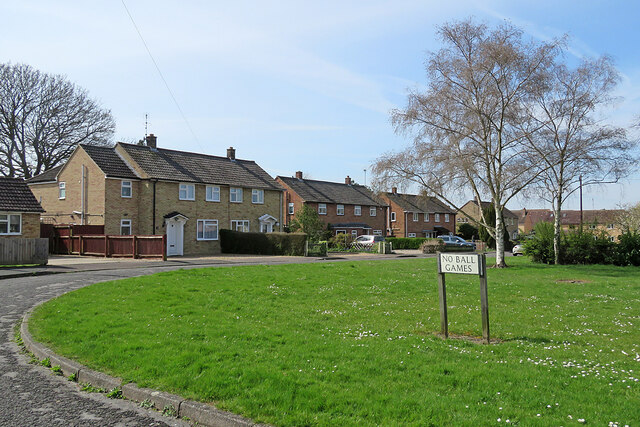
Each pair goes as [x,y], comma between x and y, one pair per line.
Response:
[31,395]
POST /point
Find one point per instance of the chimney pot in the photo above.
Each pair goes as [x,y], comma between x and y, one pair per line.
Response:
[299,174]
[152,141]
[394,190]
[347,180]
[231,153]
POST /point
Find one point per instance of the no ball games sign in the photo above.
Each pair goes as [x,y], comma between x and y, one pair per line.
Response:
[463,263]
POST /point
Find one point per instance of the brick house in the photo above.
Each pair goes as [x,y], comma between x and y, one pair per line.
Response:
[413,215]
[348,208]
[594,220]
[19,210]
[471,210]
[145,190]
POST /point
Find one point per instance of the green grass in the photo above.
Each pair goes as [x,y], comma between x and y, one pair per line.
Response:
[353,343]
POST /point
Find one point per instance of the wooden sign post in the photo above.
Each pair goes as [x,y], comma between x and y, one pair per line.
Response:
[463,263]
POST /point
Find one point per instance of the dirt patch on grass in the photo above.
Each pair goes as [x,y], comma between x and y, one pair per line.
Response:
[574,281]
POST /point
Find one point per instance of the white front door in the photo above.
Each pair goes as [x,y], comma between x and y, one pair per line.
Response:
[175,237]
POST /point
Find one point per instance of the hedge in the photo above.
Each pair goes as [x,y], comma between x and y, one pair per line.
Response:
[406,242]
[236,242]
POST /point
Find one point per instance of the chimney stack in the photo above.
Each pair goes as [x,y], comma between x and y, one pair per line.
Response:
[299,174]
[231,153]
[394,190]
[152,141]
[347,180]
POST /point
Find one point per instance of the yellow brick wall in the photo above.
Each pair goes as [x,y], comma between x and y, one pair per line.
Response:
[61,210]
[119,207]
[30,226]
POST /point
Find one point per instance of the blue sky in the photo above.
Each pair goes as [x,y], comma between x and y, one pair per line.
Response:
[294,85]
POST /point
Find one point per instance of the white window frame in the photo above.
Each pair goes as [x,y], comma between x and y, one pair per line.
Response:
[393,217]
[234,192]
[341,232]
[210,195]
[291,209]
[8,221]
[354,233]
[62,190]
[411,234]
[201,229]
[126,185]
[340,210]
[373,211]
[322,208]
[257,196]
[612,238]
[416,216]
[377,232]
[187,188]
[357,210]
[126,223]
[244,223]
[446,217]
[610,226]
[436,217]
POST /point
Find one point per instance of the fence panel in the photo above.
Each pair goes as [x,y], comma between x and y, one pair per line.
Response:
[149,246]
[18,251]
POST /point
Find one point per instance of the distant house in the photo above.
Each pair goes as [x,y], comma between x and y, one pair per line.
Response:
[347,208]
[146,190]
[413,215]
[470,210]
[19,210]
[596,220]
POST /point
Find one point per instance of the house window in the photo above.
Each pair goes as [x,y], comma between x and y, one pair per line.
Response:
[340,210]
[291,209]
[257,196]
[322,208]
[187,192]
[612,239]
[610,226]
[125,189]
[393,216]
[437,217]
[412,234]
[426,217]
[373,211]
[416,216]
[212,195]
[377,232]
[240,225]
[592,227]
[62,190]
[357,210]
[10,224]
[125,227]
[514,235]
[207,229]
[235,195]
[446,217]
[341,232]
[354,233]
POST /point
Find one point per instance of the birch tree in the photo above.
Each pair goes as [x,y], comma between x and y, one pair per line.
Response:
[570,139]
[467,124]
[43,117]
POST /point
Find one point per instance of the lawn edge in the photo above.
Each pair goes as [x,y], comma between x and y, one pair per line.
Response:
[198,412]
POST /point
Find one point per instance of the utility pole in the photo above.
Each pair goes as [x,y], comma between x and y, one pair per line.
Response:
[580,204]
[365,177]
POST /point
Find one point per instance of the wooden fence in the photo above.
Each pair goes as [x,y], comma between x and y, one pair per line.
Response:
[20,251]
[113,246]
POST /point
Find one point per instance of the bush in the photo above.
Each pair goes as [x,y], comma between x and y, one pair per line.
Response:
[628,249]
[540,246]
[340,242]
[431,246]
[586,248]
[406,242]
[236,242]
[468,231]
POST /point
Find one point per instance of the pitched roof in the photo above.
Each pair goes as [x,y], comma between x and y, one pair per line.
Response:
[16,196]
[506,212]
[108,161]
[569,217]
[46,176]
[419,203]
[331,192]
[183,166]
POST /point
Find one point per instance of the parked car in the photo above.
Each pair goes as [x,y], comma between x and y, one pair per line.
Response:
[457,242]
[368,240]
[517,250]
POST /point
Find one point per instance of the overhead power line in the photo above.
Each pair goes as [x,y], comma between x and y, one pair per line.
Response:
[175,101]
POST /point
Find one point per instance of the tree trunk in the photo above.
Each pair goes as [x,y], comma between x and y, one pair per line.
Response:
[500,263]
[557,212]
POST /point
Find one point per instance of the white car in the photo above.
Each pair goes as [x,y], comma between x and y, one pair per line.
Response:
[517,250]
[368,240]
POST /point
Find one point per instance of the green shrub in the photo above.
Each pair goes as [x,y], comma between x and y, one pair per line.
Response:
[586,248]
[340,242]
[406,242]
[540,246]
[431,246]
[236,242]
[468,231]
[628,249]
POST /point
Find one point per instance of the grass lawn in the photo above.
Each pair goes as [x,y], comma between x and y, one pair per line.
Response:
[353,343]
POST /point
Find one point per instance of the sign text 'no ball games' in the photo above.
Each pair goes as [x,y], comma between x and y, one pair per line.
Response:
[460,263]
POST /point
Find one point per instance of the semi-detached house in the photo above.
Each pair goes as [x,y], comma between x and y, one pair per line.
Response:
[146,190]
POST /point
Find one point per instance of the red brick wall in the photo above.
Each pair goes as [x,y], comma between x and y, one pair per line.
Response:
[404,223]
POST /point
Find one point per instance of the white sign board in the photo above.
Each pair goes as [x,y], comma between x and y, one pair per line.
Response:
[459,263]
